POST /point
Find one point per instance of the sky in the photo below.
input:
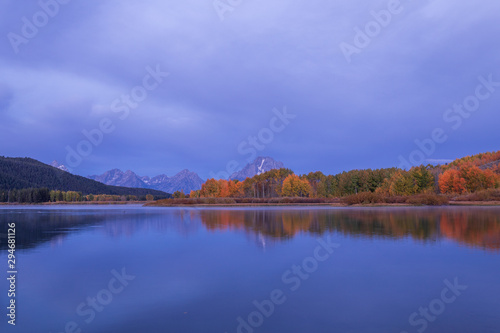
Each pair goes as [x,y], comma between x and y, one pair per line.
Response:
[159,86]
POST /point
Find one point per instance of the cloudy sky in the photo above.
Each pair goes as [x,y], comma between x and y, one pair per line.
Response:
[159,86]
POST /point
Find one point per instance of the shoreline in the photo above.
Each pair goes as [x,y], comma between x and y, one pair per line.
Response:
[332,204]
[474,203]
[337,205]
[78,203]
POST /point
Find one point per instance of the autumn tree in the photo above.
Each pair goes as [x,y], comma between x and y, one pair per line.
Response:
[293,186]
[223,189]
[477,179]
[331,186]
[179,195]
[467,178]
[266,185]
[235,189]
[194,194]
[210,189]
[422,178]
[317,180]
[401,183]
[451,182]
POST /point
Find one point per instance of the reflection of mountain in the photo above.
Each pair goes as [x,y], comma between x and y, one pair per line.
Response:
[473,227]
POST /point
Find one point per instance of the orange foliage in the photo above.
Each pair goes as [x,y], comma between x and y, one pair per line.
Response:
[223,189]
[477,179]
[235,189]
[220,189]
[468,178]
[477,230]
[210,189]
[451,182]
[466,229]
[476,160]
[294,186]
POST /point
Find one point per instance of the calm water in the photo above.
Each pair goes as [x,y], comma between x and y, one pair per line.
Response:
[134,269]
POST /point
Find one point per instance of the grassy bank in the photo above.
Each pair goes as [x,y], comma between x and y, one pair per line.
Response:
[369,198]
[243,202]
[481,198]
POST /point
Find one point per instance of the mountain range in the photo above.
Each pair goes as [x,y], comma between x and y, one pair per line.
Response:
[185,180]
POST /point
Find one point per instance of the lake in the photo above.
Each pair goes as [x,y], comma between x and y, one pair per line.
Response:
[304,269]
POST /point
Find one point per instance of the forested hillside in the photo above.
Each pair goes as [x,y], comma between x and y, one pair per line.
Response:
[25,173]
[483,160]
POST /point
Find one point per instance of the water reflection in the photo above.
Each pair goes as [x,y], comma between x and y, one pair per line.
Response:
[34,228]
[475,227]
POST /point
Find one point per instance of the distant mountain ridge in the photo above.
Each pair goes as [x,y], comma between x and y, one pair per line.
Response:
[257,167]
[185,180]
[24,173]
[117,177]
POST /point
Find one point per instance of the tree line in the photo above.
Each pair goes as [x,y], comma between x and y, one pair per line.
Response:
[466,175]
[43,195]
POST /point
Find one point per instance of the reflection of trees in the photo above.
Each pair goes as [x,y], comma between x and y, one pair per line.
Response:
[271,223]
[418,224]
[478,227]
[288,223]
[474,227]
